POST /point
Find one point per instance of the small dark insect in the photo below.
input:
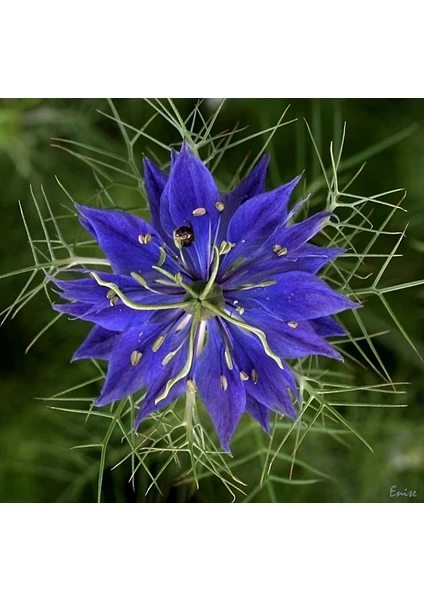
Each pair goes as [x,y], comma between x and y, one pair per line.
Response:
[184,236]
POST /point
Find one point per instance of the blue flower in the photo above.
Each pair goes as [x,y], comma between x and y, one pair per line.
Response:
[213,296]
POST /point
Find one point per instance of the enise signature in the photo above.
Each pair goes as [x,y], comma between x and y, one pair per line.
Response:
[395,493]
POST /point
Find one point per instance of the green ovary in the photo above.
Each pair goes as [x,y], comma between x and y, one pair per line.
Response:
[214,297]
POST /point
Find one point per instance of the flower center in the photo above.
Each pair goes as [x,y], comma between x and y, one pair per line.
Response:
[214,296]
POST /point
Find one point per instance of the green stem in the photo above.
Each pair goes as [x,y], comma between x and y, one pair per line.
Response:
[190,398]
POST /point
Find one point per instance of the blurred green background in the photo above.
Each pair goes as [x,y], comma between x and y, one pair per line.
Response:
[36,463]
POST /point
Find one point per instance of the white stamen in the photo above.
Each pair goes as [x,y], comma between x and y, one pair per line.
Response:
[201,334]
[158,343]
[224,382]
[183,323]
[292,324]
[135,357]
[199,212]
[228,359]
[145,239]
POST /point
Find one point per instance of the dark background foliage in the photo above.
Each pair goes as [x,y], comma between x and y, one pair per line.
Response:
[36,463]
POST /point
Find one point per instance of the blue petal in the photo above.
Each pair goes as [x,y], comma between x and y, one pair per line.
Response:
[292,238]
[307,258]
[191,186]
[259,412]
[148,405]
[296,235]
[93,305]
[327,327]
[155,181]
[224,406]
[87,290]
[116,318]
[270,385]
[98,344]
[288,342]
[117,233]
[252,185]
[296,296]
[255,220]
[124,378]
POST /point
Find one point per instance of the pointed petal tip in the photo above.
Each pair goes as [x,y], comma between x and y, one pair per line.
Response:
[104,400]
[81,208]
[150,165]
[225,445]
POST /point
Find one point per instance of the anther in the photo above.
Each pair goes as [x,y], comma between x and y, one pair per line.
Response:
[168,358]
[114,300]
[292,324]
[282,252]
[110,294]
[255,377]
[244,376]
[224,382]
[240,310]
[145,239]
[219,206]
[228,359]
[191,386]
[199,212]
[158,343]
[276,248]
[135,357]
[225,247]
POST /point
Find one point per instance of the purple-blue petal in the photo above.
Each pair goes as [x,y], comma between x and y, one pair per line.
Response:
[289,342]
[93,305]
[327,327]
[291,238]
[308,258]
[267,383]
[124,378]
[117,233]
[98,344]
[224,406]
[155,180]
[259,412]
[191,188]
[295,296]
[255,220]
[252,185]
[148,405]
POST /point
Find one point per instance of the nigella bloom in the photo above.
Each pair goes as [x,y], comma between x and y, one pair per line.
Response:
[212,297]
